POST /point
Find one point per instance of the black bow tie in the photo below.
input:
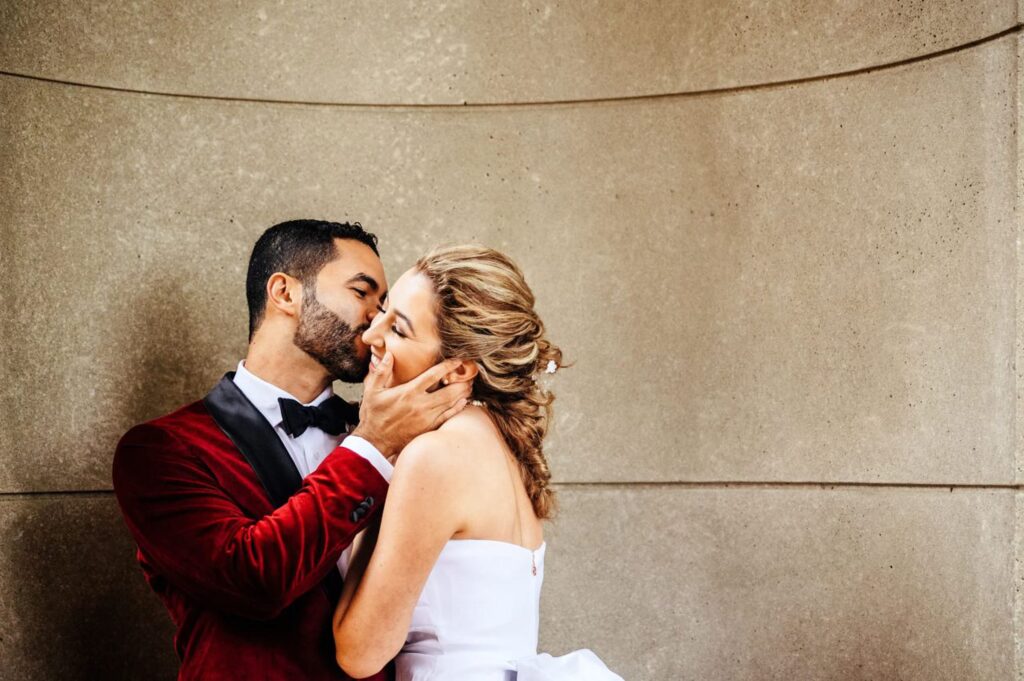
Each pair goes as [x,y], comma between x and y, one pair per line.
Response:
[330,416]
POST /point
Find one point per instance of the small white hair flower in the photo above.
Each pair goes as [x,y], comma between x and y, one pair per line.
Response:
[552,367]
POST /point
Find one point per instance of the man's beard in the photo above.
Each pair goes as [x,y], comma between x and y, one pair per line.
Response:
[329,340]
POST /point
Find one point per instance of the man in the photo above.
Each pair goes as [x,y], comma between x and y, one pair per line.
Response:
[242,503]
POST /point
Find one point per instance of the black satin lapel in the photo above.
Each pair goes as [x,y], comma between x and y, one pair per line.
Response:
[255,438]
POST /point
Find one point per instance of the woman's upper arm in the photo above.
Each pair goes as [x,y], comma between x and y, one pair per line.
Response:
[421,514]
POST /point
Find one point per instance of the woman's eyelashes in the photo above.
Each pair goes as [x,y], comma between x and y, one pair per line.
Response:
[394,327]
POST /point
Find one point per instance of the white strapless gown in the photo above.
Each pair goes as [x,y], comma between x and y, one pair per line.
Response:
[477,620]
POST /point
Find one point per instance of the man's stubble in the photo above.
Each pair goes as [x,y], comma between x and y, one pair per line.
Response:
[330,340]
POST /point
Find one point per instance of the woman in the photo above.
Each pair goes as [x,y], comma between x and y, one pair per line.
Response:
[450,579]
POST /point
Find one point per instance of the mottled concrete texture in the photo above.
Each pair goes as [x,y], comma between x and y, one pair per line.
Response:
[767,292]
[74,603]
[464,51]
[663,582]
[1019,216]
[813,282]
[691,584]
[1018,581]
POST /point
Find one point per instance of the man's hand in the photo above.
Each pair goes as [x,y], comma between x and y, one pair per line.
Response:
[391,416]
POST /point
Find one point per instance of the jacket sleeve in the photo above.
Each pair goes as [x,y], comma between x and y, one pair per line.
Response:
[206,545]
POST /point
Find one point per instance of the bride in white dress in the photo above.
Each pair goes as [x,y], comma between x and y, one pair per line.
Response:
[449,582]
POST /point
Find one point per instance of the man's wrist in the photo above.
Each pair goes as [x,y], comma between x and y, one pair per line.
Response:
[382,445]
[369,451]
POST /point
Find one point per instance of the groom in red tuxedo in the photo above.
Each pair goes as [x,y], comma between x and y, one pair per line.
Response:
[243,504]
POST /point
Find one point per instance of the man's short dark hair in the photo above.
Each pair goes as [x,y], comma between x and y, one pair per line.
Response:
[300,248]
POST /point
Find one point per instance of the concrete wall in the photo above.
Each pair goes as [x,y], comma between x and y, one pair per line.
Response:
[781,242]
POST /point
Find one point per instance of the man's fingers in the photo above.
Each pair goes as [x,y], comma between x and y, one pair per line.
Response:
[370,383]
[449,395]
[434,374]
[450,412]
[387,370]
[380,377]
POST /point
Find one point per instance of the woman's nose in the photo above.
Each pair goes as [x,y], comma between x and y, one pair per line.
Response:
[372,335]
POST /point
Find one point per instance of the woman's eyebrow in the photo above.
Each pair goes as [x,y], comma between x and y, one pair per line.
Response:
[411,327]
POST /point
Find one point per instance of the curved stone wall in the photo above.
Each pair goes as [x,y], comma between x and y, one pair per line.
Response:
[459,51]
[788,447]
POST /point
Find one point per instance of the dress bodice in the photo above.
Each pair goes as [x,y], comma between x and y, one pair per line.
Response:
[477,614]
[477,619]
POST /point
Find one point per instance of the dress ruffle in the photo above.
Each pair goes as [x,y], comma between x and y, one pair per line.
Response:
[579,665]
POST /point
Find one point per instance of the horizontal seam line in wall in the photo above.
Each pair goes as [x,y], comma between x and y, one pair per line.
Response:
[538,103]
[676,483]
[795,484]
[58,492]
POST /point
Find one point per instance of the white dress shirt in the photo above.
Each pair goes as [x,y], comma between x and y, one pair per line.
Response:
[312,447]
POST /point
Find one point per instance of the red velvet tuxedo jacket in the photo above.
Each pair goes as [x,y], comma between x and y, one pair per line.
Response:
[241,550]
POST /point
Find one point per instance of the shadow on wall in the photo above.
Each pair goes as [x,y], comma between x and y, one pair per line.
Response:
[83,609]
[173,344]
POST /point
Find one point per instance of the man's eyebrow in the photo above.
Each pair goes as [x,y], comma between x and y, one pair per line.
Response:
[366,279]
[411,327]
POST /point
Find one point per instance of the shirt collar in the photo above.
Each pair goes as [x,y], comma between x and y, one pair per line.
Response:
[264,395]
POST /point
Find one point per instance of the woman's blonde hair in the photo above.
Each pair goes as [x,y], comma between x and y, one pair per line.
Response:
[485,314]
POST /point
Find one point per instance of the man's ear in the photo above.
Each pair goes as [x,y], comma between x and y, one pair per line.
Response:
[284,294]
[463,373]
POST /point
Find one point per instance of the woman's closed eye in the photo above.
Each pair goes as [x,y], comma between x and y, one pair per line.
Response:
[394,327]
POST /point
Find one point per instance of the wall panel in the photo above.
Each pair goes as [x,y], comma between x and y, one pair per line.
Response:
[662,582]
[75,604]
[803,283]
[798,583]
[460,51]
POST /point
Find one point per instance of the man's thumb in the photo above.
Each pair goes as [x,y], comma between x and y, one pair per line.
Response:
[383,373]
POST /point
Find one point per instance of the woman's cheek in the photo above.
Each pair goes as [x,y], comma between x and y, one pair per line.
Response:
[409,366]
[402,365]
[400,373]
